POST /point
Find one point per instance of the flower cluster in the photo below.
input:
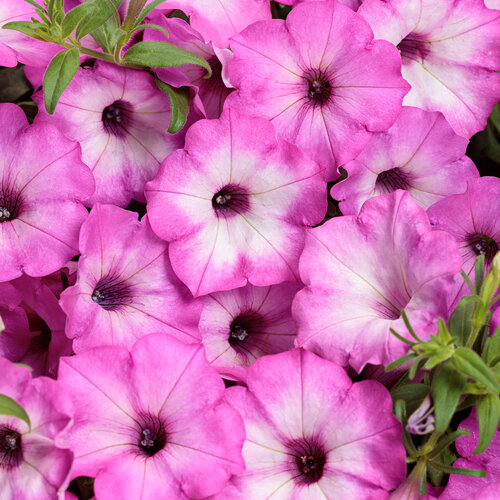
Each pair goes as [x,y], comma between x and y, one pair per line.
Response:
[226,221]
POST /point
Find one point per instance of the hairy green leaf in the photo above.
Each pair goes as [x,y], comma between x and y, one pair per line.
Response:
[479,273]
[469,363]
[410,392]
[488,416]
[36,5]
[446,441]
[460,322]
[9,407]
[399,362]
[447,387]
[457,470]
[101,12]
[492,347]
[60,72]
[179,102]
[147,10]
[162,55]
[151,26]
[73,17]
[26,27]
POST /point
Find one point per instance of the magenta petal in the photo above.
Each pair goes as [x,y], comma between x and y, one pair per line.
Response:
[420,153]
[325,93]
[125,286]
[158,413]
[363,271]
[449,52]
[227,225]
[43,183]
[310,430]
[38,466]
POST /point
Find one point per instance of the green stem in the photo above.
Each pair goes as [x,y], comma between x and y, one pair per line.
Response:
[134,9]
[429,444]
[473,336]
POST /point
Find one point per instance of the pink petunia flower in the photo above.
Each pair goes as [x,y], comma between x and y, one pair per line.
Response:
[34,463]
[238,326]
[125,286]
[450,55]
[353,4]
[219,20]
[35,325]
[120,119]
[468,487]
[362,271]
[420,153]
[42,185]
[15,46]
[473,218]
[238,200]
[150,423]
[311,433]
[210,93]
[320,78]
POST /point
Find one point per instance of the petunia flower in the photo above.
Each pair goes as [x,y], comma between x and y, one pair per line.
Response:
[125,286]
[311,433]
[15,46]
[34,463]
[420,153]
[450,55]
[488,492]
[353,4]
[473,218]
[468,487]
[238,200]
[150,423]
[35,323]
[320,78]
[120,119]
[238,326]
[363,271]
[42,185]
[210,93]
[218,20]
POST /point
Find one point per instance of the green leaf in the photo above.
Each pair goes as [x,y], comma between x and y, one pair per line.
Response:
[410,392]
[22,365]
[60,72]
[50,8]
[488,416]
[36,5]
[26,27]
[73,17]
[468,281]
[179,102]
[460,322]
[415,367]
[162,55]
[457,470]
[447,387]
[399,361]
[396,334]
[9,407]
[102,10]
[492,347]
[400,410]
[443,443]
[469,363]
[409,327]
[151,26]
[147,10]
[479,273]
